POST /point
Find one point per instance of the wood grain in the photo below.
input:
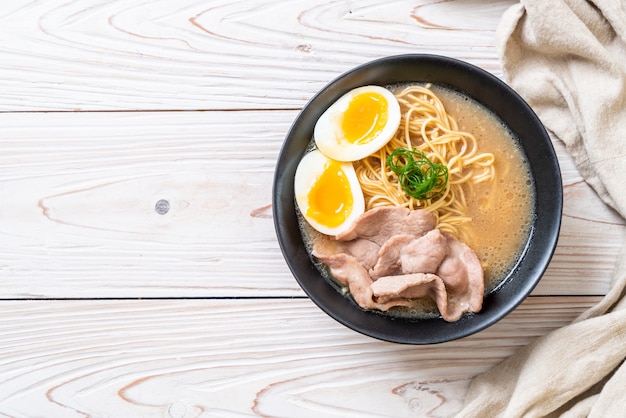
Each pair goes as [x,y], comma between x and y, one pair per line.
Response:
[184,358]
[79,220]
[78,217]
[192,54]
[111,308]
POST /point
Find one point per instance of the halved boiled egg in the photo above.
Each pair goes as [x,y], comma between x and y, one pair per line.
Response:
[358,124]
[328,193]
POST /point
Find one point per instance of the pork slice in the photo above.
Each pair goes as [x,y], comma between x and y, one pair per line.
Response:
[410,286]
[388,262]
[381,223]
[404,286]
[424,254]
[349,271]
[392,291]
[453,273]
[463,276]
[363,250]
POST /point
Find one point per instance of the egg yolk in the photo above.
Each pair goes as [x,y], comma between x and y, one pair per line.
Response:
[365,118]
[330,198]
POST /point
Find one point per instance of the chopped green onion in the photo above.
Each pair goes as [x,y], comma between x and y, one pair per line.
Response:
[419,177]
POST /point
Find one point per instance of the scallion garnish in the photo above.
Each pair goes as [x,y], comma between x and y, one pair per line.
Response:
[419,177]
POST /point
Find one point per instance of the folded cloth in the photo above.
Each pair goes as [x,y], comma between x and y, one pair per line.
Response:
[567,58]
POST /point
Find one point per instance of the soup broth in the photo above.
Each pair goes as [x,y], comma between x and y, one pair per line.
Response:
[501,211]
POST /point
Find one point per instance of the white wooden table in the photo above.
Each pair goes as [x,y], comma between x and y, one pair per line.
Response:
[116,305]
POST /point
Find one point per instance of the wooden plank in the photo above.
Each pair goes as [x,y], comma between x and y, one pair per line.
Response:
[235,358]
[79,192]
[194,54]
[80,216]
[78,195]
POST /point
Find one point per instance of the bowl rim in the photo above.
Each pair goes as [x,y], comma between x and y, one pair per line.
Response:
[546,227]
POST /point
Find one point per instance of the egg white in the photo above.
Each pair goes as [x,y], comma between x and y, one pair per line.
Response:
[308,172]
[329,136]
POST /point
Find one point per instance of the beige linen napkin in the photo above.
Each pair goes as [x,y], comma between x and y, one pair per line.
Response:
[567,58]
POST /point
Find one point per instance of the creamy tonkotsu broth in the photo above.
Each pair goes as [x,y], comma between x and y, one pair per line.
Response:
[501,211]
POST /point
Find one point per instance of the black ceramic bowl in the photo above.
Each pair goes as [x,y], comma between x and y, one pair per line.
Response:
[494,95]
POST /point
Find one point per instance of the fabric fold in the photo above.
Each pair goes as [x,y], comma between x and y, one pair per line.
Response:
[567,59]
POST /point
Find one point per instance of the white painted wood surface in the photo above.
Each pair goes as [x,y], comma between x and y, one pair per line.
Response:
[235,358]
[107,107]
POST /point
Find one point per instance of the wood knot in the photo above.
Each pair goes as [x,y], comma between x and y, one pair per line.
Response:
[162,207]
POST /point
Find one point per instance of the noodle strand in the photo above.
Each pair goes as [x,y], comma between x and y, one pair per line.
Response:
[426,127]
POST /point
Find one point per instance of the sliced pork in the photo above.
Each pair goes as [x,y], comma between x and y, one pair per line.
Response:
[408,286]
[349,271]
[424,254]
[392,256]
[390,290]
[463,276]
[363,250]
[388,257]
[381,223]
